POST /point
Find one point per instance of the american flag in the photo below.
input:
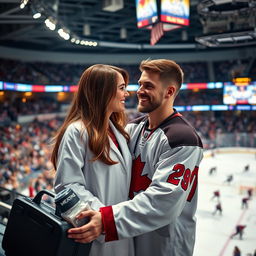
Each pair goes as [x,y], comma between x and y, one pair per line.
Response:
[157,32]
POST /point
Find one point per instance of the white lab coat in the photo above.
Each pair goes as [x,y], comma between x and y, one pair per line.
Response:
[95,182]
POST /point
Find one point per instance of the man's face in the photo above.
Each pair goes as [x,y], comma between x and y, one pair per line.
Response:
[150,93]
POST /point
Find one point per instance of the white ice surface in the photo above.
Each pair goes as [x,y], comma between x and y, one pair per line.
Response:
[213,232]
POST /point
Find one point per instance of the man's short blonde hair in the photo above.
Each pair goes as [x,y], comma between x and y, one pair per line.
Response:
[169,71]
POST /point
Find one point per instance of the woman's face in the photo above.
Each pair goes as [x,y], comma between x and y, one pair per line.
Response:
[117,103]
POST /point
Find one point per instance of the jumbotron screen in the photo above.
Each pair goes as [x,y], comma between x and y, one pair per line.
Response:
[239,94]
[146,11]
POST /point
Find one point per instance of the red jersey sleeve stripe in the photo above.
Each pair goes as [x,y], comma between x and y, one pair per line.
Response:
[109,223]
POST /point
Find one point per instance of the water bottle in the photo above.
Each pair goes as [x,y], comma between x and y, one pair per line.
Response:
[70,205]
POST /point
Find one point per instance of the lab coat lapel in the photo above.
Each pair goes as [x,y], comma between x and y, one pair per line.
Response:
[124,156]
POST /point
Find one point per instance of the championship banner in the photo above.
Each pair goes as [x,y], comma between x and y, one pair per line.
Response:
[175,12]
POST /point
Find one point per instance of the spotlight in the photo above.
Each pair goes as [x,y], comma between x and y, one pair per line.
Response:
[50,23]
[37,15]
[63,33]
[23,3]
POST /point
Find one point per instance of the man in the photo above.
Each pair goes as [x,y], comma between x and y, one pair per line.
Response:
[239,231]
[247,168]
[166,155]
[229,179]
[216,194]
[249,192]
[245,202]
[218,208]
[212,170]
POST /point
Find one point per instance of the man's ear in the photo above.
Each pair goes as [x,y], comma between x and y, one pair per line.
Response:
[171,90]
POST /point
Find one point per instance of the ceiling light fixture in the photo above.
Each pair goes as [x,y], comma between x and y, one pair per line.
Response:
[50,23]
[37,15]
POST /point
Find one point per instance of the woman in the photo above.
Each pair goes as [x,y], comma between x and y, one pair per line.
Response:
[90,153]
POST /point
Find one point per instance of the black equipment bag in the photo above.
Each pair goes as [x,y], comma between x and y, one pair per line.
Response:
[35,229]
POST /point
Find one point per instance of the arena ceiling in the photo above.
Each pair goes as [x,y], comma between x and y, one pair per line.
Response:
[117,30]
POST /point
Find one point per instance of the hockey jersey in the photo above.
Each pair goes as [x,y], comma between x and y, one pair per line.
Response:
[161,215]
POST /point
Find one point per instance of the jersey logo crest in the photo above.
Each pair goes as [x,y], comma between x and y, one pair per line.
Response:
[138,181]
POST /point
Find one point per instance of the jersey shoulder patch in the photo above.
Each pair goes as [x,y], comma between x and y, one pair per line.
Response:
[180,132]
[138,120]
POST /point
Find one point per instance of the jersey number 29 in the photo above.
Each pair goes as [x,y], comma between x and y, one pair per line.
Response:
[186,177]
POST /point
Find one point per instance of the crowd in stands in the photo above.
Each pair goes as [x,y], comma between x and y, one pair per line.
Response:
[68,74]
[199,97]
[25,156]
[11,109]
[252,72]
[195,72]
[226,70]
[38,105]
[225,128]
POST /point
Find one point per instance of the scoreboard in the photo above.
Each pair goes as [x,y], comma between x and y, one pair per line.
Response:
[240,91]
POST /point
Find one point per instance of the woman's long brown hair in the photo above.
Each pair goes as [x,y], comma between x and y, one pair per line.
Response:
[97,86]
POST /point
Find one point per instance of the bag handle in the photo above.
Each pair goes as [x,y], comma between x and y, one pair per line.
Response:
[38,198]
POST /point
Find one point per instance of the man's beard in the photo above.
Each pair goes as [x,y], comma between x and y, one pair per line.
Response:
[150,107]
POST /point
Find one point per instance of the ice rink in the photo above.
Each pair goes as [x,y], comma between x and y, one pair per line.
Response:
[214,231]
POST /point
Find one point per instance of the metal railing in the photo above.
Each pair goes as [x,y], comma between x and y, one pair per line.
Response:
[7,197]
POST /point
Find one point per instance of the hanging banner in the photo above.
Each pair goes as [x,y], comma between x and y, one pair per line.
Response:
[175,12]
[146,11]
